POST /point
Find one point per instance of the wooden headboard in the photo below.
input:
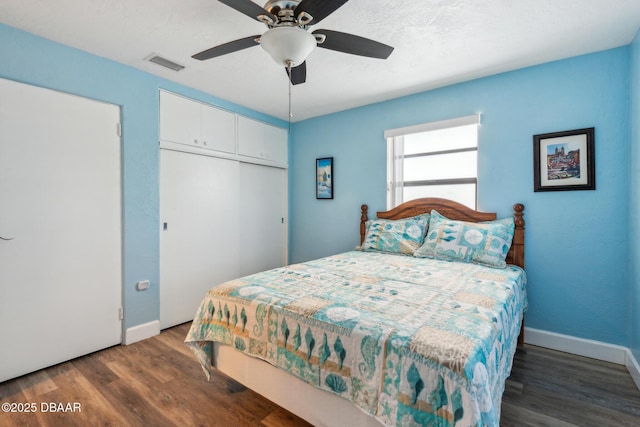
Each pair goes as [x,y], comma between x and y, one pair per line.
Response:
[457,211]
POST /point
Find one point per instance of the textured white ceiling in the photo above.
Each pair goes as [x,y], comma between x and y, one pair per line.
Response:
[437,42]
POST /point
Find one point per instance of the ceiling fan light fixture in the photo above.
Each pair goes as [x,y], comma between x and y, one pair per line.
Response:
[288,45]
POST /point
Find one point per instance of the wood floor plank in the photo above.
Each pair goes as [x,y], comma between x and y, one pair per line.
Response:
[569,410]
[224,392]
[575,370]
[170,340]
[36,384]
[74,388]
[94,370]
[158,382]
[516,416]
[135,407]
[146,360]
[10,392]
[591,382]
[173,406]
[280,418]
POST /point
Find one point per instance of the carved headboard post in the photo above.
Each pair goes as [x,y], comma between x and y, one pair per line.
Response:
[517,246]
[363,220]
[517,251]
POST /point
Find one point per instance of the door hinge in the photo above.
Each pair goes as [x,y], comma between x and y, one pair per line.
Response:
[120,314]
[119,129]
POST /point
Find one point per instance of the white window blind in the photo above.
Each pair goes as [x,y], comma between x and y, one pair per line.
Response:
[437,159]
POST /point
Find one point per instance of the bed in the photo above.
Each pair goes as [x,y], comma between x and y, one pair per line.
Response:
[420,330]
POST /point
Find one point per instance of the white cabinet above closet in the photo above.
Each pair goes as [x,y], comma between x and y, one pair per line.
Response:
[192,126]
[262,141]
[218,129]
[189,122]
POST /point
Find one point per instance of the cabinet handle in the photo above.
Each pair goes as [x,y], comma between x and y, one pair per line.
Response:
[6,239]
[204,142]
[195,141]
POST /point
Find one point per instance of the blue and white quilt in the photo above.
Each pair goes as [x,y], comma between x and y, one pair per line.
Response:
[411,341]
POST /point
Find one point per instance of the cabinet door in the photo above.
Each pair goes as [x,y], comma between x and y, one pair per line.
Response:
[275,141]
[262,141]
[263,206]
[199,242]
[218,129]
[180,119]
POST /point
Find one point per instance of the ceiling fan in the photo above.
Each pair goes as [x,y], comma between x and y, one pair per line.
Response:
[287,39]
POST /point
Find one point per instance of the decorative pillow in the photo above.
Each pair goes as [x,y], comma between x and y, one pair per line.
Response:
[485,243]
[402,236]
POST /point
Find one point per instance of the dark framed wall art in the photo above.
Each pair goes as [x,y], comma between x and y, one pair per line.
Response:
[564,161]
[324,178]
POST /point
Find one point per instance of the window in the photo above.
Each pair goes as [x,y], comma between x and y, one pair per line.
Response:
[438,159]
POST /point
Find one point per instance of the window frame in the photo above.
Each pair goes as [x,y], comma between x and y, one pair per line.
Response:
[395,142]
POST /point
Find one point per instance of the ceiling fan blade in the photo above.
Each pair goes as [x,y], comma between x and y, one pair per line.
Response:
[355,45]
[229,47]
[249,8]
[298,74]
[318,9]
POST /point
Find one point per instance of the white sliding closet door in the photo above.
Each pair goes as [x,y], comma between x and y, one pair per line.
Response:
[199,246]
[263,205]
[60,203]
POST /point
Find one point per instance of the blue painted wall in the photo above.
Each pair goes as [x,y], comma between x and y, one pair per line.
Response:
[577,243]
[634,200]
[34,60]
[577,263]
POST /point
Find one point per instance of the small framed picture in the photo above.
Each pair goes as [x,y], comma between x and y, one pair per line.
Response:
[564,161]
[324,178]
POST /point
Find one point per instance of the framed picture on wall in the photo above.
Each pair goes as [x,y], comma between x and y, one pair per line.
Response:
[324,178]
[564,161]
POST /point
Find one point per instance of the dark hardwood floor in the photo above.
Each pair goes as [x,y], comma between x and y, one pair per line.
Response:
[551,388]
[157,382]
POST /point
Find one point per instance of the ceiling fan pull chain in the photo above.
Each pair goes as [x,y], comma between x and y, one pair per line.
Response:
[290,84]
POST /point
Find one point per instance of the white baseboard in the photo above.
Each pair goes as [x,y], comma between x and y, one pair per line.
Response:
[633,367]
[141,332]
[579,346]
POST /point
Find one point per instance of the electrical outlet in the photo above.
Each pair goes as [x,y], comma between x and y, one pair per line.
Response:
[144,284]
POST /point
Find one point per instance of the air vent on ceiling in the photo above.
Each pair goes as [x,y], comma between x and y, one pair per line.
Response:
[164,62]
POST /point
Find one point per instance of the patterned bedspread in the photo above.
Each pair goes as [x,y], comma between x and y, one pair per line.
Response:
[411,341]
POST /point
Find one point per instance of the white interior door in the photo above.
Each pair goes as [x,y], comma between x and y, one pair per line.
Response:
[263,205]
[199,242]
[60,203]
